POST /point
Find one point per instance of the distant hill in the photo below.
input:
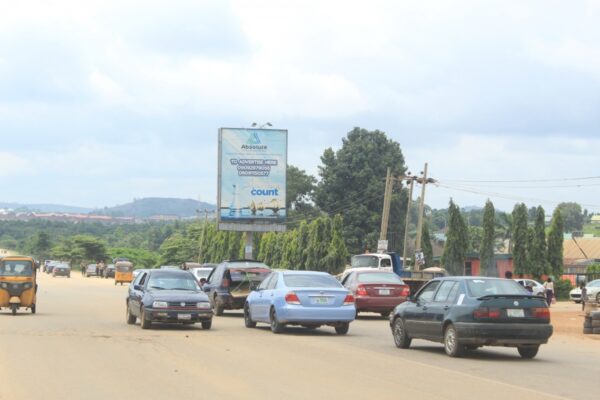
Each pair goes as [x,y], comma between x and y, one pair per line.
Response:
[46,208]
[147,207]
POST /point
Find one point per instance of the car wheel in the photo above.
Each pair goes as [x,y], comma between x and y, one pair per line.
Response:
[206,324]
[218,306]
[343,328]
[598,298]
[401,338]
[528,351]
[452,346]
[33,310]
[14,308]
[385,314]
[144,323]
[130,317]
[276,326]
[247,318]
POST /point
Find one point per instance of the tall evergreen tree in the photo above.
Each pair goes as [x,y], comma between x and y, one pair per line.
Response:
[337,253]
[520,238]
[426,246]
[538,259]
[555,244]
[457,242]
[486,251]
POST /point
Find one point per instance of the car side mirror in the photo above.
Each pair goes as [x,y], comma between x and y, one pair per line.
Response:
[137,287]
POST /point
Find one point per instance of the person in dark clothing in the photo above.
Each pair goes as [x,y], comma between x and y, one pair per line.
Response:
[583,295]
[508,275]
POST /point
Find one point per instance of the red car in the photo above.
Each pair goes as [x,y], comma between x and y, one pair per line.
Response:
[376,291]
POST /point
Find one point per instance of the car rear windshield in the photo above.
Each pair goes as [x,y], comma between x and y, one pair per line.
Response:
[486,287]
[310,280]
[364,261]
[248,274]
[379,277]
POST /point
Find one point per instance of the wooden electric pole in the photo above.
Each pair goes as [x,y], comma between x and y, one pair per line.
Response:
[407,225]
[387,199]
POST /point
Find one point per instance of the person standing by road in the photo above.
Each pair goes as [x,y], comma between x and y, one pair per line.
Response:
[583,295]
[549,288]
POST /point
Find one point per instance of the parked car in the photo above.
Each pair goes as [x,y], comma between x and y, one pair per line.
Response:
[167,296]
[50,266]
[470,312]
[536,287]
[61,270]
[90,270]
[593,291]
[376,291]
[172,267]
[230,282]
[109,271]
[305,298]
[202,273]
[575,295]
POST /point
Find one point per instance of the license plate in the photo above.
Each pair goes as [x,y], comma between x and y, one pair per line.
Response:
[184,316]
[515,313]
[320,300]
[384,292]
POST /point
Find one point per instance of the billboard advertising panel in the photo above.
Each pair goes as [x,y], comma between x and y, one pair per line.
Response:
[252,176]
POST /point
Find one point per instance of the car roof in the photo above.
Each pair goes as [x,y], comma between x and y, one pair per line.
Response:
[168,272]
[294,272]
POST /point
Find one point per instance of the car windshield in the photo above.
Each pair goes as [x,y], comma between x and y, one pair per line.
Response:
[379,277]
[595,283]
[172,282]
[364,261]
[486,287]
[16,268]
[310,280]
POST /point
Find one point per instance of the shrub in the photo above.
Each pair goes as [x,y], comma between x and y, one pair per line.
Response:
[562,288]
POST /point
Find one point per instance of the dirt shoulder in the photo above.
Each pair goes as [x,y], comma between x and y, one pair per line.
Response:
[567,319]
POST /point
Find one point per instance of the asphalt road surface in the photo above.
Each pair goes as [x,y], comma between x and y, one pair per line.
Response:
[78,346]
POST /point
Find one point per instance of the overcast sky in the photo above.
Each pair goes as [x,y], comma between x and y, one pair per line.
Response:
[104,101]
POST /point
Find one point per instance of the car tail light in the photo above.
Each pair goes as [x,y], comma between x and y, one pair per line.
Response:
[541,312]
[349,300]
[226,282]
[486,313]
[292,298]
[405,291]
[361,290]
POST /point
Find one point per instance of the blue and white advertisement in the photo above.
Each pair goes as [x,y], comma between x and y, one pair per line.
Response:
[252,172]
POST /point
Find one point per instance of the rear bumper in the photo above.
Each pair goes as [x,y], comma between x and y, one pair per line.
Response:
[378,304]
[321,315]
[175,316]
[231,302]
[500,334]
[62,273]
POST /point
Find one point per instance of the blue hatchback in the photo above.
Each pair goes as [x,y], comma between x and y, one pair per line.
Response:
[305,298]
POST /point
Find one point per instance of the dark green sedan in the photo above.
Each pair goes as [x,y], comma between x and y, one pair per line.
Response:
[465,313]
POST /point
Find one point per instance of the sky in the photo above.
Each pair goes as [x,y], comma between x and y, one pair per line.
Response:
[105,101]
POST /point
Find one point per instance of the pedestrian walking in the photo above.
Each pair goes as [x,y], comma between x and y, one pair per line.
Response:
[508,275]
[583,295]
[549,288]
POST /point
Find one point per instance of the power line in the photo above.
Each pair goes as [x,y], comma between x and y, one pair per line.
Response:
[522,180]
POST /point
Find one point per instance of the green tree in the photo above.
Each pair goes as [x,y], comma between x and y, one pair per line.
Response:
[426,246]
[457,242]
[337,253]
[40,245]
[520,238]
[538,259]
[139,257]
[318,244]
[475,238]
[300,187]
[555,243]
[177,249]
[572,216]
[486,249]
[352,183]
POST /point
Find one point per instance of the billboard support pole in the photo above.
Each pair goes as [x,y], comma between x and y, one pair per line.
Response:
[249,246]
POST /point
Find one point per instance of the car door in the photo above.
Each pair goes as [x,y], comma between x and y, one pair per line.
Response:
[135,295]
[257,307]
[439,308]
[415,313]
[269,295]
[213,281]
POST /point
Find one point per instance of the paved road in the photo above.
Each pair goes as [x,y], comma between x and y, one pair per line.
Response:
[79,346]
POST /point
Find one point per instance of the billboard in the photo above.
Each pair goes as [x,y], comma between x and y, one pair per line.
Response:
[252,178]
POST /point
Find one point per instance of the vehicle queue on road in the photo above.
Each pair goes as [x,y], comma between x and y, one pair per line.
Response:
[463,313]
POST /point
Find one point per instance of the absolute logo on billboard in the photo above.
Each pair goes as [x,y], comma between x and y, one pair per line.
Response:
[254,143]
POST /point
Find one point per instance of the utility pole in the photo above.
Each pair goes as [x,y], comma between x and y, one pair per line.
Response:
[423,180]
[410,194]
[387,199]
[202,236]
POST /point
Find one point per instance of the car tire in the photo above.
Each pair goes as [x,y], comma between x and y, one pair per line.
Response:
[218,307]
[528,352]
[452,346]
[401,338]
[596,331]
[276,326]
[595,323]
[587,325]
[247,318]
[588,331]
[144,323]
[33,309]
[385,314]
[206,324]
[14,309]
[130,317]
[595,315]
[343,328]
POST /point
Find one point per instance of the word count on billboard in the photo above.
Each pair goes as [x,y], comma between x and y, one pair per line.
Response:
[252,179]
